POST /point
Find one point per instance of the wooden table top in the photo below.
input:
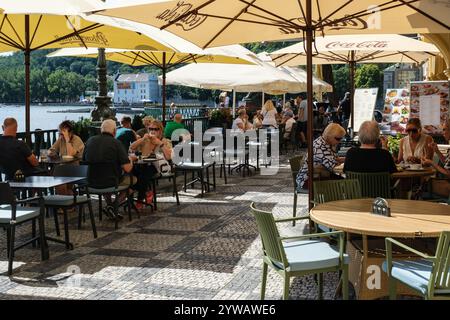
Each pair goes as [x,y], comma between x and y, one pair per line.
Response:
[409,218]
[406,173]
[44,182]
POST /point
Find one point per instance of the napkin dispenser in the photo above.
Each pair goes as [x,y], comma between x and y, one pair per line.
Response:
[380,206]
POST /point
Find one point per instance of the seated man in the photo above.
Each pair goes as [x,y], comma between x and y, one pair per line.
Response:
[15,154]
[369,157]
[104,148]
[173,125]
[126,134]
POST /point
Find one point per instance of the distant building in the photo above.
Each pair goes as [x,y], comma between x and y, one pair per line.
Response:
[400,75]
[136,88]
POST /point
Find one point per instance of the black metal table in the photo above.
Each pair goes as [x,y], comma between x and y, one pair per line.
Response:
[41,183]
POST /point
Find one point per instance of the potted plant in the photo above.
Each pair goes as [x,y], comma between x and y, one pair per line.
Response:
[393,145]
[221,118]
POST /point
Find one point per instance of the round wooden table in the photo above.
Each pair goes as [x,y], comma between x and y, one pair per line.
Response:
[406,174]
[409,219]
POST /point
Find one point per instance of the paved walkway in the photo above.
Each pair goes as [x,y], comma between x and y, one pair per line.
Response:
[206,248]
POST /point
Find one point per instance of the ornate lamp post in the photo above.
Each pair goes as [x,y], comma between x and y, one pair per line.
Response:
[102,108]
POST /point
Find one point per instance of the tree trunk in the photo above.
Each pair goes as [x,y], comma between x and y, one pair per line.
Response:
[327,73]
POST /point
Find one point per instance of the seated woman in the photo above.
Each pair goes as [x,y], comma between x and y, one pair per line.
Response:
[415,145]
[239,123]
[68,144]
[324,155]
[150,143]
[257,120]
[441,187]
[288,121]
[369,157]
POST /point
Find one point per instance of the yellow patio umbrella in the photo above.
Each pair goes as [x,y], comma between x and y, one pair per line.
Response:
[29,25]
[165,60]
[209,23]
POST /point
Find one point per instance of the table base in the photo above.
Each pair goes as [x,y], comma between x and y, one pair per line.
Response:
[366,273]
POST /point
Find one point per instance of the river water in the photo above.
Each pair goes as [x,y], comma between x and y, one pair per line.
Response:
[44,117]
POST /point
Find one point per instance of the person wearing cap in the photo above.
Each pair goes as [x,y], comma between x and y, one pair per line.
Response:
[147,122]
[288,120]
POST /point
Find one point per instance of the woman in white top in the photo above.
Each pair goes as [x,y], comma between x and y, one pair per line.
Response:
[415,145]
[269,113]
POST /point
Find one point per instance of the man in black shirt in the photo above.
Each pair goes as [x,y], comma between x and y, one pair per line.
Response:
[15,154]
[107,156]
[369,157]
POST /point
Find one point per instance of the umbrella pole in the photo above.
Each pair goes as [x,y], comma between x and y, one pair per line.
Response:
[352,88]
[309,99]
[27,79]
[164,89]
[234,103]
[284,99]
[262,100]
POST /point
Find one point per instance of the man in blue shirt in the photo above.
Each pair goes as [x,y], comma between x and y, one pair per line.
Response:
[126,134]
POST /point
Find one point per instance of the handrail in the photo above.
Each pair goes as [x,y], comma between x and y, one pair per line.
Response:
[40,139]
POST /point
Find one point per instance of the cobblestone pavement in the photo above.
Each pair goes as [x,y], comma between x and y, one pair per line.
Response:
[206,248]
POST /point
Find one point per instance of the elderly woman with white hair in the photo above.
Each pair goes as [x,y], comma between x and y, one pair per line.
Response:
[324,155]
[369,157]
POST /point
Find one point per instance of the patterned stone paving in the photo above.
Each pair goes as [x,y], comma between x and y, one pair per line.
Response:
[206,248]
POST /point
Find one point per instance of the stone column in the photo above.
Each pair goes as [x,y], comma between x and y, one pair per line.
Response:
[102,108]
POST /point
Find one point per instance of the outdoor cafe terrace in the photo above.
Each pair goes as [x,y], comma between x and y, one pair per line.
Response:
[206,248]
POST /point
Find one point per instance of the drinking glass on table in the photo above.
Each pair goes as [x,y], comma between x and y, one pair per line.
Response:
[43,154]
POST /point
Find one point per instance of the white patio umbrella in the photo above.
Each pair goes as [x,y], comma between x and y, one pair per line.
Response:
[164,60]
[244,78]
[353,49]
[219,22]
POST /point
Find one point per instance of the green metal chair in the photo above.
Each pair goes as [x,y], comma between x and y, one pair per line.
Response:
[295,163]
[333,190]
[430,276]
[373,184]
[306,255]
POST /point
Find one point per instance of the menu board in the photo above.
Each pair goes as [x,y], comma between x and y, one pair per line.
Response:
[364,103]
[430,103]
[396,110]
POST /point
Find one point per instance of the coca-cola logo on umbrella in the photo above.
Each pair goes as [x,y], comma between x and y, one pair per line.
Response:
[357,45]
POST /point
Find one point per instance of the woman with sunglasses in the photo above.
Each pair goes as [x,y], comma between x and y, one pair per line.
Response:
[152,142]
[415,145]
[324,156]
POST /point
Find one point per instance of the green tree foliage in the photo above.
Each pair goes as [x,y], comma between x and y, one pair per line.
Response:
[64,79]
[341,80]
[369,76]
